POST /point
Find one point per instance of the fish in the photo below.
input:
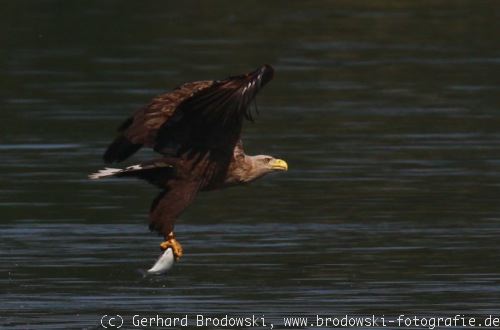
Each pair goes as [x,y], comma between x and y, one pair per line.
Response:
[164,263]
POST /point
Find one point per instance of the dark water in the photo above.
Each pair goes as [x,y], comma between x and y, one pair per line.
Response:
[387,113]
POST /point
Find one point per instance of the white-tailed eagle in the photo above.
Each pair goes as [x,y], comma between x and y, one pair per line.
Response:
[196,128]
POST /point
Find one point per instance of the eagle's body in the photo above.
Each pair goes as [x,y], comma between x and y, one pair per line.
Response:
[197,130]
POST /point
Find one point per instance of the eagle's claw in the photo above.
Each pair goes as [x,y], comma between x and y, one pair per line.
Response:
[171,242]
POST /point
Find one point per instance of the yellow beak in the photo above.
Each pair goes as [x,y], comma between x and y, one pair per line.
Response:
[279,165]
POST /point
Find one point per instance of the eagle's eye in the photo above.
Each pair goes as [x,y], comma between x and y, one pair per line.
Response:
[267,159]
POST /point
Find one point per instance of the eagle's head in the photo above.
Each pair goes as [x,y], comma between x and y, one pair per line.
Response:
[261,165]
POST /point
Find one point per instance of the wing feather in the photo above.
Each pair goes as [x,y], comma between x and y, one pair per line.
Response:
[212,119]
[200,115]
[142,127]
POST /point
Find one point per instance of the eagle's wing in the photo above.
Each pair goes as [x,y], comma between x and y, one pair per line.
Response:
[142,127]
[170,203]
[197,116]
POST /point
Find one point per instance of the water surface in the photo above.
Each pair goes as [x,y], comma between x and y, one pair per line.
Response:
[386,112]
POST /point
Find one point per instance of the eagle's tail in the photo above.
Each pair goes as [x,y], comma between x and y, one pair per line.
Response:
[156,172]
[105,172]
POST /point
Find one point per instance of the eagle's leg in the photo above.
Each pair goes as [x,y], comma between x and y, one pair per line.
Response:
[171,242]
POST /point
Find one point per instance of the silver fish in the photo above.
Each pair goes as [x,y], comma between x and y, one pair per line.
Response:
[164,263]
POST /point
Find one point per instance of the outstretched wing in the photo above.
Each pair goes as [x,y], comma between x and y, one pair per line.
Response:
[170,203]
[197,116]
[142,127]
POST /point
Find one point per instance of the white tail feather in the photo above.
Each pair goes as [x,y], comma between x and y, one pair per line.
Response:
[104,173]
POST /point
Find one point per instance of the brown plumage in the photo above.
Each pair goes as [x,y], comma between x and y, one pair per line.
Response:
[197,129]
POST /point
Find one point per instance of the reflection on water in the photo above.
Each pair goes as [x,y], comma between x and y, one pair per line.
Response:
[387,114]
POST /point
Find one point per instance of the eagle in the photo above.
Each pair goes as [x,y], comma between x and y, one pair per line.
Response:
[196,129]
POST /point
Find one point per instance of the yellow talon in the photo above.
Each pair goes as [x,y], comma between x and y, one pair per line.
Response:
[171,242]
